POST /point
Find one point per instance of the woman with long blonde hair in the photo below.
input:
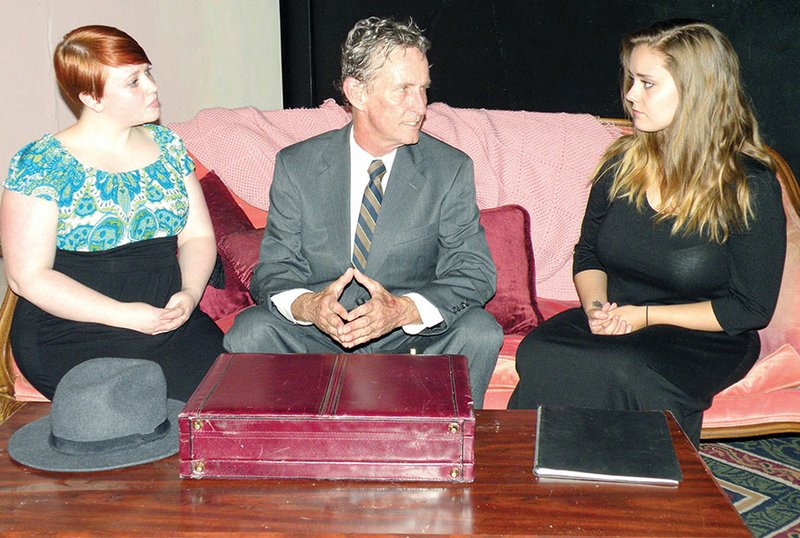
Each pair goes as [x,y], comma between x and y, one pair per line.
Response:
[681,252]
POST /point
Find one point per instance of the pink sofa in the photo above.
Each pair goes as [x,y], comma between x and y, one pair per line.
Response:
[532,174]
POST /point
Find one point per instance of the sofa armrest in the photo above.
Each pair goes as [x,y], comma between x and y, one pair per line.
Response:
[8,403]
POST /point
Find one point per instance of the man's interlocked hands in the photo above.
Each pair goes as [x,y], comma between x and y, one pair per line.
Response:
[383,313]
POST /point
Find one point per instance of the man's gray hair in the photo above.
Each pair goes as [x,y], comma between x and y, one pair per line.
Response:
[370,43]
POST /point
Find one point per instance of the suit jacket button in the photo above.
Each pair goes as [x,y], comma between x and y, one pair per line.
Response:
[360,301]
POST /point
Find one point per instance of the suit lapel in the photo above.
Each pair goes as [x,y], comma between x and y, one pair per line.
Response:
[334,195]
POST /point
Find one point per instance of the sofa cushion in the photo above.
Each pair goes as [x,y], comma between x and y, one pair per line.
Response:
[508,234]
[777,371]
[227,218]
[226,215]
[241,250]
[505,377]
[257,217]
[509,238]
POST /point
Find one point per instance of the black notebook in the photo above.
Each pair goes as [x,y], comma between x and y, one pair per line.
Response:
[597,444]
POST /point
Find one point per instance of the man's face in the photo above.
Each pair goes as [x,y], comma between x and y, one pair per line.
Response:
[393,104]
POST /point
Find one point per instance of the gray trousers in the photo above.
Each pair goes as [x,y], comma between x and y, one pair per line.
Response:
[475,334]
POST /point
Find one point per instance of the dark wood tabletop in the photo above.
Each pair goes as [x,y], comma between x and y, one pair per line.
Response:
[506,498]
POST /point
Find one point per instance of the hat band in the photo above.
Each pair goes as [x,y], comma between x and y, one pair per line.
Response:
[68,446]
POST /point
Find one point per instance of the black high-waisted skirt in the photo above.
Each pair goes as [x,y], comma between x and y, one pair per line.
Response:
[46,347]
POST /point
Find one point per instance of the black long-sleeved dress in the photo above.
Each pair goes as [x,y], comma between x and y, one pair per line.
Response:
[661,366]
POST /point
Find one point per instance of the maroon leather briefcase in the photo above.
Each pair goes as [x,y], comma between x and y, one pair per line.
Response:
[365,417]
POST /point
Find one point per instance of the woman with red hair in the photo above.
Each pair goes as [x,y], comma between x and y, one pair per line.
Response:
[106,236]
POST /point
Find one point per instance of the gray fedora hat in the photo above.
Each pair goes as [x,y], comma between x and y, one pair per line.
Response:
[107,413]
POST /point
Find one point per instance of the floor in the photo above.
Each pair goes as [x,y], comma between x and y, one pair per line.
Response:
[762,478]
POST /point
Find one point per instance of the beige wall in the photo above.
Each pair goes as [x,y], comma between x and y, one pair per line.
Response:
[205,53]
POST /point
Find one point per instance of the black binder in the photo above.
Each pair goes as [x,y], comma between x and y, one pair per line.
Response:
[603,445]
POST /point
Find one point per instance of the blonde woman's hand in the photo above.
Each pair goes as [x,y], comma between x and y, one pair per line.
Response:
[634,316]
[607,321]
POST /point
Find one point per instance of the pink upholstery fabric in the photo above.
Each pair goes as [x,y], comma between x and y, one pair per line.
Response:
[505,377]
[257,217]
[226,215]
[770,393]
[23,390]
[227,218]
[508,235]
[777,371]
[240,144]
[543,162]
[226,322]
[758,408]
[537,160]
[241,249]
[551,307]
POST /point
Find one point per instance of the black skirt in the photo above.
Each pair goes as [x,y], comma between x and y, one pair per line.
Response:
[46,347]
[661,367]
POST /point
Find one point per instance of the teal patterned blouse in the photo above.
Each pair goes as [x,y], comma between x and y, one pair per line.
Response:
[100,210]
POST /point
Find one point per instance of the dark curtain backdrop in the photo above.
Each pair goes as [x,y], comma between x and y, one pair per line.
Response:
[549,56]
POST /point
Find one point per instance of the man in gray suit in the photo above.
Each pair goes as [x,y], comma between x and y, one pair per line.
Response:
[401,266]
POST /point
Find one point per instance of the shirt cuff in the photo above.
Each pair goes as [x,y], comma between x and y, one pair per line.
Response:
[428,313]
[283,302]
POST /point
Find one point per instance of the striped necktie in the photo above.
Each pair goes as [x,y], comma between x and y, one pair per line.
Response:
[368,214]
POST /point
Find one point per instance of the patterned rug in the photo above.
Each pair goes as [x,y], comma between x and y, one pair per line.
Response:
[762,479]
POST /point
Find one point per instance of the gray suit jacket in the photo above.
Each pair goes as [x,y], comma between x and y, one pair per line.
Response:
[427,240]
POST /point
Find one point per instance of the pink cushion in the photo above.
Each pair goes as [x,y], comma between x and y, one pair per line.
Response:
[257,217]
[777,371]
[226,322]
[505,377]
[226,215]
[227,218]
[241,250]
[550,307]
[23,390]
[761,408]
[508,235]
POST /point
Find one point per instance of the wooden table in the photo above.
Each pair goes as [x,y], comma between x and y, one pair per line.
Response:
[505,498]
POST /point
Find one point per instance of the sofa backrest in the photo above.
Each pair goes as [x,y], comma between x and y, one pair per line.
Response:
[541,161]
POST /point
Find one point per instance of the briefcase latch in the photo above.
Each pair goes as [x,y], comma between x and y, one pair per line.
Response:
[198,468]
[453,427]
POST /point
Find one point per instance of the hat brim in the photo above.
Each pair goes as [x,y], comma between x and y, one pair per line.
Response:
[30,446]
